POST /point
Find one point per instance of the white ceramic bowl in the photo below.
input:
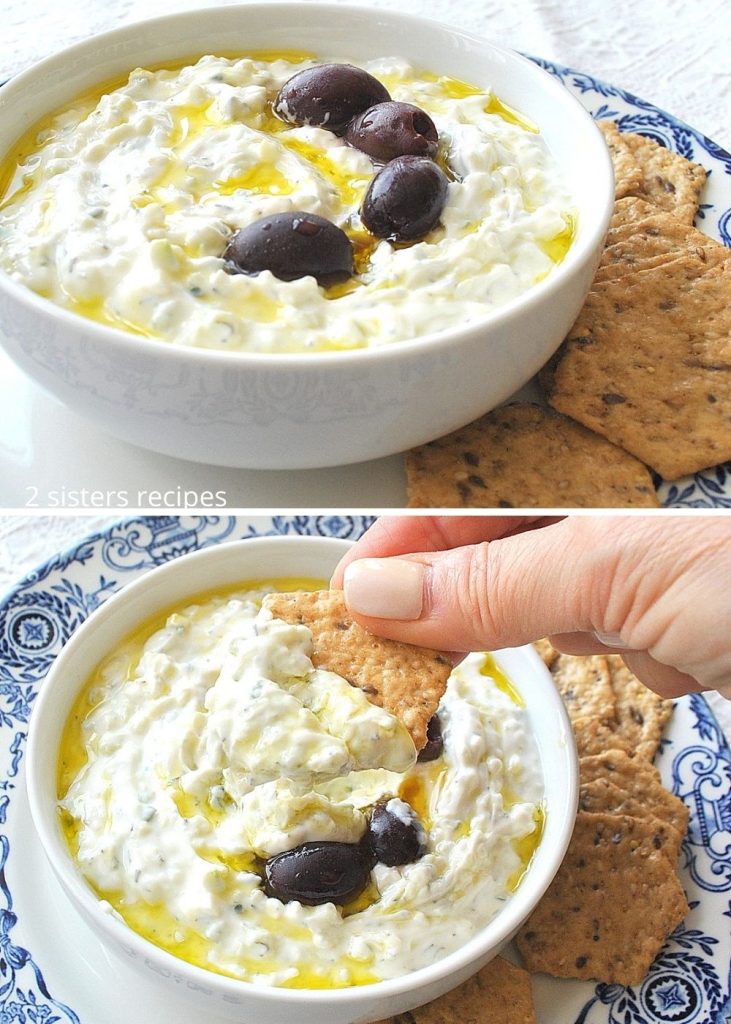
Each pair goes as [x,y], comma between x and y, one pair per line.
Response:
[228,998]
[320,409]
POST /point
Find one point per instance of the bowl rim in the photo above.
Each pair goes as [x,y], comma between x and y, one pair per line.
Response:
[576,257]
[497,931]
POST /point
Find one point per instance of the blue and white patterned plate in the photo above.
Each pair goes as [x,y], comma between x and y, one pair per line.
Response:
[52,969]
[711,488]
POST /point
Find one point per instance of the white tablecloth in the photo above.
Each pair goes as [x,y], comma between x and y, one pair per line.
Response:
[674,53]
[26,541]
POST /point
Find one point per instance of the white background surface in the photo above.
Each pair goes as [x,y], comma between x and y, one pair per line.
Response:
[674,53]
[26,541]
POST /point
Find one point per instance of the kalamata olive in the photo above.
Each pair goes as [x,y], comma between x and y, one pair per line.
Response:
[396,834]
[393,129]
[405,199]
[328,95]
[292,245]
[434,742]
[315,873]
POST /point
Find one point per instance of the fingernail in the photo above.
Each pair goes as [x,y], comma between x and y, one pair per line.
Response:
[384,588]
[611,640]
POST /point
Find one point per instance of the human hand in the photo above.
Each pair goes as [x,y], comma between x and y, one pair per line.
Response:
[655,589]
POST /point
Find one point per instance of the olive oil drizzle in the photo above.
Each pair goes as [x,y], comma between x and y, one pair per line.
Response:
[264,178]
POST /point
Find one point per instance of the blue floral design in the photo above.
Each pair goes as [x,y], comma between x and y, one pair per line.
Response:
[680,987]
[24,995]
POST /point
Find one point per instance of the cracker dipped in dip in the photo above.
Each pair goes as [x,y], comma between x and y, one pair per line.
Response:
[130,207]
[263,819]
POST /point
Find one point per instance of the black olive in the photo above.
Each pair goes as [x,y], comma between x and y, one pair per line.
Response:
[393,129]
[405,199]
[393,839]
[329,95]
[315,873]
[292,245]
[434,742]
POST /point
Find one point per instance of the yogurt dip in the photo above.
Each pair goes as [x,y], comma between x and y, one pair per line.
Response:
[203,747]
[119,208]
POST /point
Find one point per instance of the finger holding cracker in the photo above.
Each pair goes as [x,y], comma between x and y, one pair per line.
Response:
[406,680]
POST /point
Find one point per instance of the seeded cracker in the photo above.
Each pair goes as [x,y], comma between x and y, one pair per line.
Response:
[603,796]
[498,994]
[642,714]
[641,238]
[585,685]
[525,456]
[669,180]
[624,771]
[648,365]
[611,906]
[405,680]
[642,167]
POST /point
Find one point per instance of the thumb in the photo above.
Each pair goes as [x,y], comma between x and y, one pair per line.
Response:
[500,593]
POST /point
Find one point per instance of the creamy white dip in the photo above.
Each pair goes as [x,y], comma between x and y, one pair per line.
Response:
[214,742]
[121,208]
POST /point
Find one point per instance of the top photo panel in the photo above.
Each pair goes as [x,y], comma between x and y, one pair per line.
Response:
[313,255]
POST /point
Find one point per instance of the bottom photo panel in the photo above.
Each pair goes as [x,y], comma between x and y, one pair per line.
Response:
[339,769]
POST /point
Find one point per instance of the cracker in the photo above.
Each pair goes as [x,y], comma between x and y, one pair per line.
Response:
[665,837]
[500,993]
[638,242]
[602,795]
[585,685]
[611,906]
[639,230]
[645,168]
[524,456]
[405,680]
[668,179]
[595,735]
[642,715]
[636,216]
[648,365]
[623,770]
[627,172]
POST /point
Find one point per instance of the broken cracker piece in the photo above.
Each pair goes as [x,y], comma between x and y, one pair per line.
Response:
[524,456]
[500,993]
[408,681]
[610,908]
